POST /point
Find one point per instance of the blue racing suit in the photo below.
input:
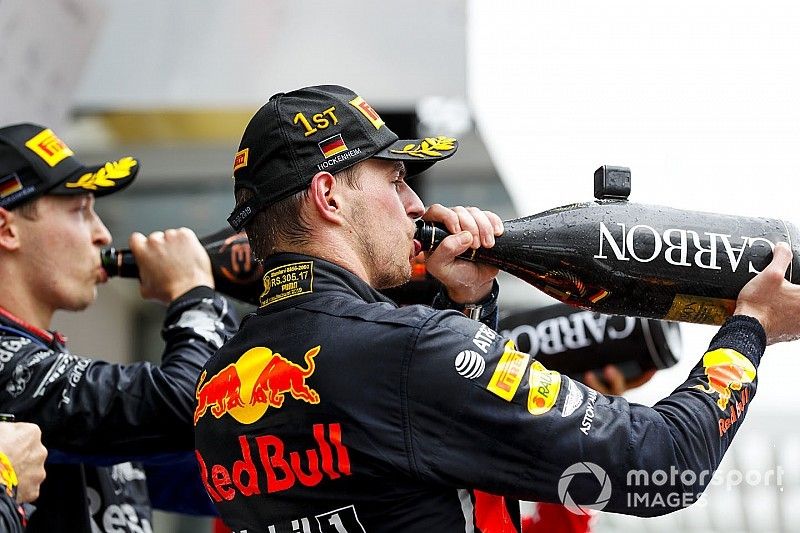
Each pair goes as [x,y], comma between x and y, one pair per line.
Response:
[333,410]
[96,416]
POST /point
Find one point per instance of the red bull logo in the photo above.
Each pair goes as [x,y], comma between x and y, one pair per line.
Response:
[727,371]
[258,380]
[221,393]
[267,464]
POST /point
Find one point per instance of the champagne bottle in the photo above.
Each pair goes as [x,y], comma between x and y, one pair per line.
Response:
[573,341]
[617,257]
[236,272]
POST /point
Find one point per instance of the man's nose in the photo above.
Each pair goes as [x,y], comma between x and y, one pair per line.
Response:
[414,206]
[102,236]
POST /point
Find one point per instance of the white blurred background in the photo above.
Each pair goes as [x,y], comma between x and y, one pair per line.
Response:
[698,99]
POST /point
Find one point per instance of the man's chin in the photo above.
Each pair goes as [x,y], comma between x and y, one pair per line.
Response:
[83,303]
[392,282]
[80,306]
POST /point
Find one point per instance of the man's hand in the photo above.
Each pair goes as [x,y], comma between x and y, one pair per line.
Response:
[772,300]
[22,444]
[170,263]
[613,381]
[465,281]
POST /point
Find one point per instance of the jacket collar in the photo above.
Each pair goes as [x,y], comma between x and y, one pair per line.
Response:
[290,279]
[10,322]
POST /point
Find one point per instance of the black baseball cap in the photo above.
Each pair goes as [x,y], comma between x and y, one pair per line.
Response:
[34,161]
[322,128]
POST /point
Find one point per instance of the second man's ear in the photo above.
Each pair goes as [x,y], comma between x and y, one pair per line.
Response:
[9,236]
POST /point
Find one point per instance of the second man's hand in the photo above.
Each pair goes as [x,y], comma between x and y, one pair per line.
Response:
[171,262]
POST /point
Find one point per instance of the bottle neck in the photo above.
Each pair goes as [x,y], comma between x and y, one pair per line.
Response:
[119,263]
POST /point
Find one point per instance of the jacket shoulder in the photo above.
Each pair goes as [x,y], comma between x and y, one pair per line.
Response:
[376,312]
[16,346]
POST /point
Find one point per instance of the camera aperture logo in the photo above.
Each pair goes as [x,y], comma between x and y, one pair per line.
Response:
[654,489]
[584,468]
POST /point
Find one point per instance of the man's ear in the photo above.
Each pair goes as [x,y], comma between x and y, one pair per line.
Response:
[9,231]
[324,195]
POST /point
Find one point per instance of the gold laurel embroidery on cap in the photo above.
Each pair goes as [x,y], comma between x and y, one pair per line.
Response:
[104,177]
[429,147]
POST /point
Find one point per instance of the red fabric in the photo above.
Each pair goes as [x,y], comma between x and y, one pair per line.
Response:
[491,514]
[556,518]
[220,527]
[45,335]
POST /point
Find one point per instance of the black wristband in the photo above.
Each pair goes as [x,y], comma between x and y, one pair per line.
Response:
[744,334]
[477,311]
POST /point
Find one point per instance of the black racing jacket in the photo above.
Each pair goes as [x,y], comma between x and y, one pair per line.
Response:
[333,410]
[96,416]
[12,515]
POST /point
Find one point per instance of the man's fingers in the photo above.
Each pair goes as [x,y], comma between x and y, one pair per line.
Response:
[468,223]
[591,380]
[455,244]
[485,227]
[497,223]
[439,213]
[136,240]
[615,379]
[781,258]
[641,380]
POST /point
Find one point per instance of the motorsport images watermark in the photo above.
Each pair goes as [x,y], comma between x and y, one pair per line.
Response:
[657,488]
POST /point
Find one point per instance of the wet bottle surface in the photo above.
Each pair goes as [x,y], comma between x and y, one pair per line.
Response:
[236,272]
[617,257]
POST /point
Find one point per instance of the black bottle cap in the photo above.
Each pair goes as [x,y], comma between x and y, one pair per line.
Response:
[612,183]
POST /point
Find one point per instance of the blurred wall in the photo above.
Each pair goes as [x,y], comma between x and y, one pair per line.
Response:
[204,53]
[44,46]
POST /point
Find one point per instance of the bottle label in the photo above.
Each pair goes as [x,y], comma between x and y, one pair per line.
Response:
[700,309]
[287,281]
[570,332]
[238,265]
[683,248]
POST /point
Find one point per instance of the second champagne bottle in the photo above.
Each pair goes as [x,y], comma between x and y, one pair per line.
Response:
[236,272]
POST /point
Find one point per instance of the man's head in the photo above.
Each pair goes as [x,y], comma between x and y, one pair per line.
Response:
[326,128]
[34,162]
[313,133]
[49,233]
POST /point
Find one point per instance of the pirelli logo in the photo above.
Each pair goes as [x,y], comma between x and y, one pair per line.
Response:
[367,111]
[49,147]
[509,372]
[241,159]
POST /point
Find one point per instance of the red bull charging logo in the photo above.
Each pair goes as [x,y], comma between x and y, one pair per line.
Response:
[258,380]
[726,370]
